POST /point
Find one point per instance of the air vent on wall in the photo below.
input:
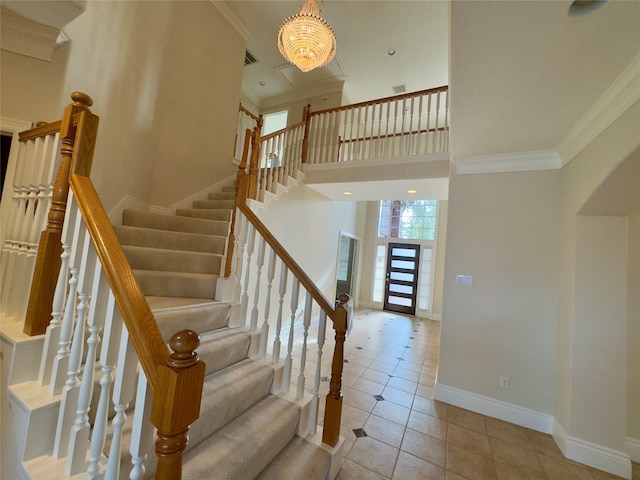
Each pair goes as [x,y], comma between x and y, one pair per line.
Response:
[399,89]
[249,58]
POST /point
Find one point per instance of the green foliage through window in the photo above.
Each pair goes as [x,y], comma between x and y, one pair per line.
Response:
[409,219]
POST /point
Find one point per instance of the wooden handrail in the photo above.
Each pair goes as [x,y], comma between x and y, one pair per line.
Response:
[281,131]
[143,329]
[382,100]
[288,260]
[257,118]
[40,131]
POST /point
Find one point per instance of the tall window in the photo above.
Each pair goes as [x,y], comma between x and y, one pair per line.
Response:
[408,219]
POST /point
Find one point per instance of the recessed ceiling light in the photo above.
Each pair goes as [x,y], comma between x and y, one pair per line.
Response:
[412,191]
[347,193]
[262,83]
[391,52]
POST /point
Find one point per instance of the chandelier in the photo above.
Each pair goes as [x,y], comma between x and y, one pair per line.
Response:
[306,39]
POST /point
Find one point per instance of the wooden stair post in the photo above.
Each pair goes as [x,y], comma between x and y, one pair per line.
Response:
[306,117]
[48,261]
[333,406]
[176,402]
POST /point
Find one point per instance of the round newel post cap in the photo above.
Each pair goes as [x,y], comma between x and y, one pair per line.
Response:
[344,298]
[81,99]
[184,344]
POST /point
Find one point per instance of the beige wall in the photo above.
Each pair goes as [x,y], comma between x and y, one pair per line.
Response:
[164,85]
[580,179]
[503,230]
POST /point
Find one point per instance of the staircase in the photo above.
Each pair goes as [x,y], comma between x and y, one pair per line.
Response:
[244,430]
[248,426]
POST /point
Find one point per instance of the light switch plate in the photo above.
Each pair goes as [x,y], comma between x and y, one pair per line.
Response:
[464,280]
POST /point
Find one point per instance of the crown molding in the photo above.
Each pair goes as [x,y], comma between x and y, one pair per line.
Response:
[25,37]
[232,18]
[508,162]
[616,100]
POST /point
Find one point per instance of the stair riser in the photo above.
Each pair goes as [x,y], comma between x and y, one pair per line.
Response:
[175,224]
[199,319]
[151,238]
[143,258]
[228,204]
[158,285]
[222,214]
[222,196]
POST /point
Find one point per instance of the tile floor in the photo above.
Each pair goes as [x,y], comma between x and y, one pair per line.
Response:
[389,373]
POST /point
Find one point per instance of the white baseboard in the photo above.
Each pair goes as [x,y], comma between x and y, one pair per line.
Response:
[597,456]
[131,203]
[127,203]
[633,448]
[202,194]
[525,417]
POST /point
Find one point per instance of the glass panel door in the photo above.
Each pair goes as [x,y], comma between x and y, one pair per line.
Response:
[401,285]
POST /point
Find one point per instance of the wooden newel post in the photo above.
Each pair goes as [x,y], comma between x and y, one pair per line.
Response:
[333,406]
[253,163]
[306,114]
[47,266]
[176,402]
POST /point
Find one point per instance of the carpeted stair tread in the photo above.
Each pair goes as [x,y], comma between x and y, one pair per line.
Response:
[154,238]
[145,258]
[299,460]
[223,347]
[214,204]
[227,394]
[245,446]
[208,213]
[176,284]
[175,313]
[222,196]
[175,223]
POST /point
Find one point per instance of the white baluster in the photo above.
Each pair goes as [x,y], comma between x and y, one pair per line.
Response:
[411,136]
[428,127]
[436,136]
[315,402]
[288,363]
[79,438]
[142,430]
[445,142]
[52,336]
[378,136]
[71,389]
[122,394]
[61,361]
[308,306]
[419,139]
[282,290]
[256,293]
[244,301]
[264,336]
[386,141]
[108,357]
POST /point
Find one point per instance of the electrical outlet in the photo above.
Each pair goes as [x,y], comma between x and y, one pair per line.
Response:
[504,383]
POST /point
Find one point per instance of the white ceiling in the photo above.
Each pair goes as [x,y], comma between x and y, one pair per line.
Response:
[365,31]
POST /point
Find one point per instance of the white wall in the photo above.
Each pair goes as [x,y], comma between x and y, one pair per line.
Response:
[165,86]
[503,230]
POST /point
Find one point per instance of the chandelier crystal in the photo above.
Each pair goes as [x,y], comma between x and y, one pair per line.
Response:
[306,39]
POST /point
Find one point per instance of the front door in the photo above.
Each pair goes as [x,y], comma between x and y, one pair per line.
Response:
[401,286]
